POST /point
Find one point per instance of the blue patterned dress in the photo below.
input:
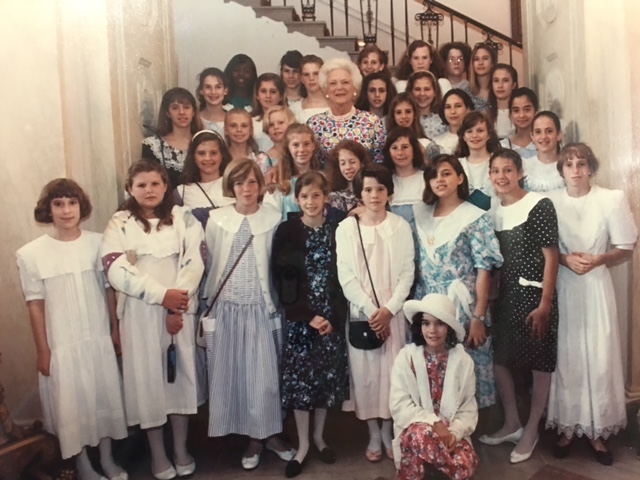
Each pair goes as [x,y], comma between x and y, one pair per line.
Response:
[315,372]
[450,251]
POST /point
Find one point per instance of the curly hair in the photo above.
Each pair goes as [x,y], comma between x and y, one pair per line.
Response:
[61,188]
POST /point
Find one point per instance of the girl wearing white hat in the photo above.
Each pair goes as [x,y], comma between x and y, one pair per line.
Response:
[432,398]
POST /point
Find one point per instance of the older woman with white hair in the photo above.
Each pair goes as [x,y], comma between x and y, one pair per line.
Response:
[340,79]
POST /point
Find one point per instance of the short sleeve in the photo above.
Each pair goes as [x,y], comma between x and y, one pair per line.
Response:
[543,224]
[32,284]
[485,248]
[623,232]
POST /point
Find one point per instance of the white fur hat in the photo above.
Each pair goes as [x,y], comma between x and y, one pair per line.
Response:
[438,305]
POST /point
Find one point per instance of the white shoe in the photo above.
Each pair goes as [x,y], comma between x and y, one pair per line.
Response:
[168,474]
[512,437]
[286,455]
[121,476]
[249,463]
[186,470]
[521,457]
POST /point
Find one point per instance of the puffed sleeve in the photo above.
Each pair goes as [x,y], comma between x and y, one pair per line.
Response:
[485,248]
[191,266]
[348,277]
[405,251]
[402,406]
[122,275]
[544,224]
[466,417]
[32,284]
[623,232]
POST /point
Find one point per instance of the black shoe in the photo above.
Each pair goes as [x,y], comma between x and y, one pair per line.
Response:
[603,457]
[562,451]
[293,469]
[327,456]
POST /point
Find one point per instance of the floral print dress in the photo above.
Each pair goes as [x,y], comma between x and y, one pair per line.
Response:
[420,445]
[451,249]
[315,368]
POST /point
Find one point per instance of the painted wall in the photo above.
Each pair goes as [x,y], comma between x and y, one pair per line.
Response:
[202,26]
[582,61]
[75,89]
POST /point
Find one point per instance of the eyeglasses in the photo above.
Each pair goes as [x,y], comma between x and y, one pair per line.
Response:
[455,59]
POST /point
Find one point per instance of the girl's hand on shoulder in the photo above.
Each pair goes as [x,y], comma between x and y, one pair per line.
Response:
[477,334]
[176,300]
[380,320]
[44,362]
[174,323]
[539,319]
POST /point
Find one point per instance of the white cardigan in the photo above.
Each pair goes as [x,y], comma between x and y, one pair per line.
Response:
[222,227]
[397,233]
[410,397]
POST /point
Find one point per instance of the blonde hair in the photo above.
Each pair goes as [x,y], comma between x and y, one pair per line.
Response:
[266,122]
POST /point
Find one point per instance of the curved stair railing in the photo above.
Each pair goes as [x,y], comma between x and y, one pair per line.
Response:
[436,23]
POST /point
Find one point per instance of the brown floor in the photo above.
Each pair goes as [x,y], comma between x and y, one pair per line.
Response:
[219,459]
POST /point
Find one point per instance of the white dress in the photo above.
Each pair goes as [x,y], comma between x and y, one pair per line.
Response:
[304,114]
[541,177]
[370,370]
[587,388]
[82,398]
[407,191]
[142,267]
[504,127]
[448,142]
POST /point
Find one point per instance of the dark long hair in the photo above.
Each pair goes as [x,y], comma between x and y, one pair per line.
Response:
[431,172]
[164,125]
[208,72]
[362,103]
[274,78]
[236,62]
[336,180]
[417,337]
[493,101]
[191,172]
[162,211]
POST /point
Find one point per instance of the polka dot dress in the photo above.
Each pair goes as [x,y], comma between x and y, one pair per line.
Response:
[523,230]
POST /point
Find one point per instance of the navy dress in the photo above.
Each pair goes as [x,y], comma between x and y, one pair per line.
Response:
[315,371]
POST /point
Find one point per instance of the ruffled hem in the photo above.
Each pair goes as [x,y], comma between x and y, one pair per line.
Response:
[588,431]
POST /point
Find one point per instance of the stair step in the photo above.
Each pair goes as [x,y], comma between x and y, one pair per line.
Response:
[344,44]
[279,14]
[247,3]
[312,29]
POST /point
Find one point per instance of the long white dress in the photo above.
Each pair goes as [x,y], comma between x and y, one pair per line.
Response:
[587,388]
[82,398]
[142,267]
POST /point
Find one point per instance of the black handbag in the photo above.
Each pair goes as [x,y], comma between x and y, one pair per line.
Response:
[361,335]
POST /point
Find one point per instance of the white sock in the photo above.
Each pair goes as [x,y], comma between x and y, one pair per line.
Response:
[110,468]
[180,427]
[387,433]
[319,417]
[159,461]
[302,425]
[375,440]
[84,467]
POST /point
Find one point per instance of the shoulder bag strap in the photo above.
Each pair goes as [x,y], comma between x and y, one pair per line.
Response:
[205,194]
[366,262]
[224,282]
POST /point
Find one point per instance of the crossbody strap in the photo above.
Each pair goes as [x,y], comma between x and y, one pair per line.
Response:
[366,262]
[205,194]
[224,282]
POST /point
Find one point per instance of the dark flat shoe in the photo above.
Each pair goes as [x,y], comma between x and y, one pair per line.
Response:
[293,469]
[562,451]
[603,458]
[327,456]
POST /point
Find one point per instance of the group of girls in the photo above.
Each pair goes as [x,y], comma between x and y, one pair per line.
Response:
[267,225]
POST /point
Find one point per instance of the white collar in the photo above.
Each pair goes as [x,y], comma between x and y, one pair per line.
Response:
[509,217]
[227,218]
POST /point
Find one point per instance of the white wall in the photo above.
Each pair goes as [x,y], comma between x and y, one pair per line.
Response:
[209,32]
[74,87]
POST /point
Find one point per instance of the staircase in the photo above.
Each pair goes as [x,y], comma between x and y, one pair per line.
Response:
[319,30]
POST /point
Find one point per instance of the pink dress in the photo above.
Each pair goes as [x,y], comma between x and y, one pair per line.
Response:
[370,370]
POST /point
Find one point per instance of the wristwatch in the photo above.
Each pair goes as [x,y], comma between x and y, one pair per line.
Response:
[482,318]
